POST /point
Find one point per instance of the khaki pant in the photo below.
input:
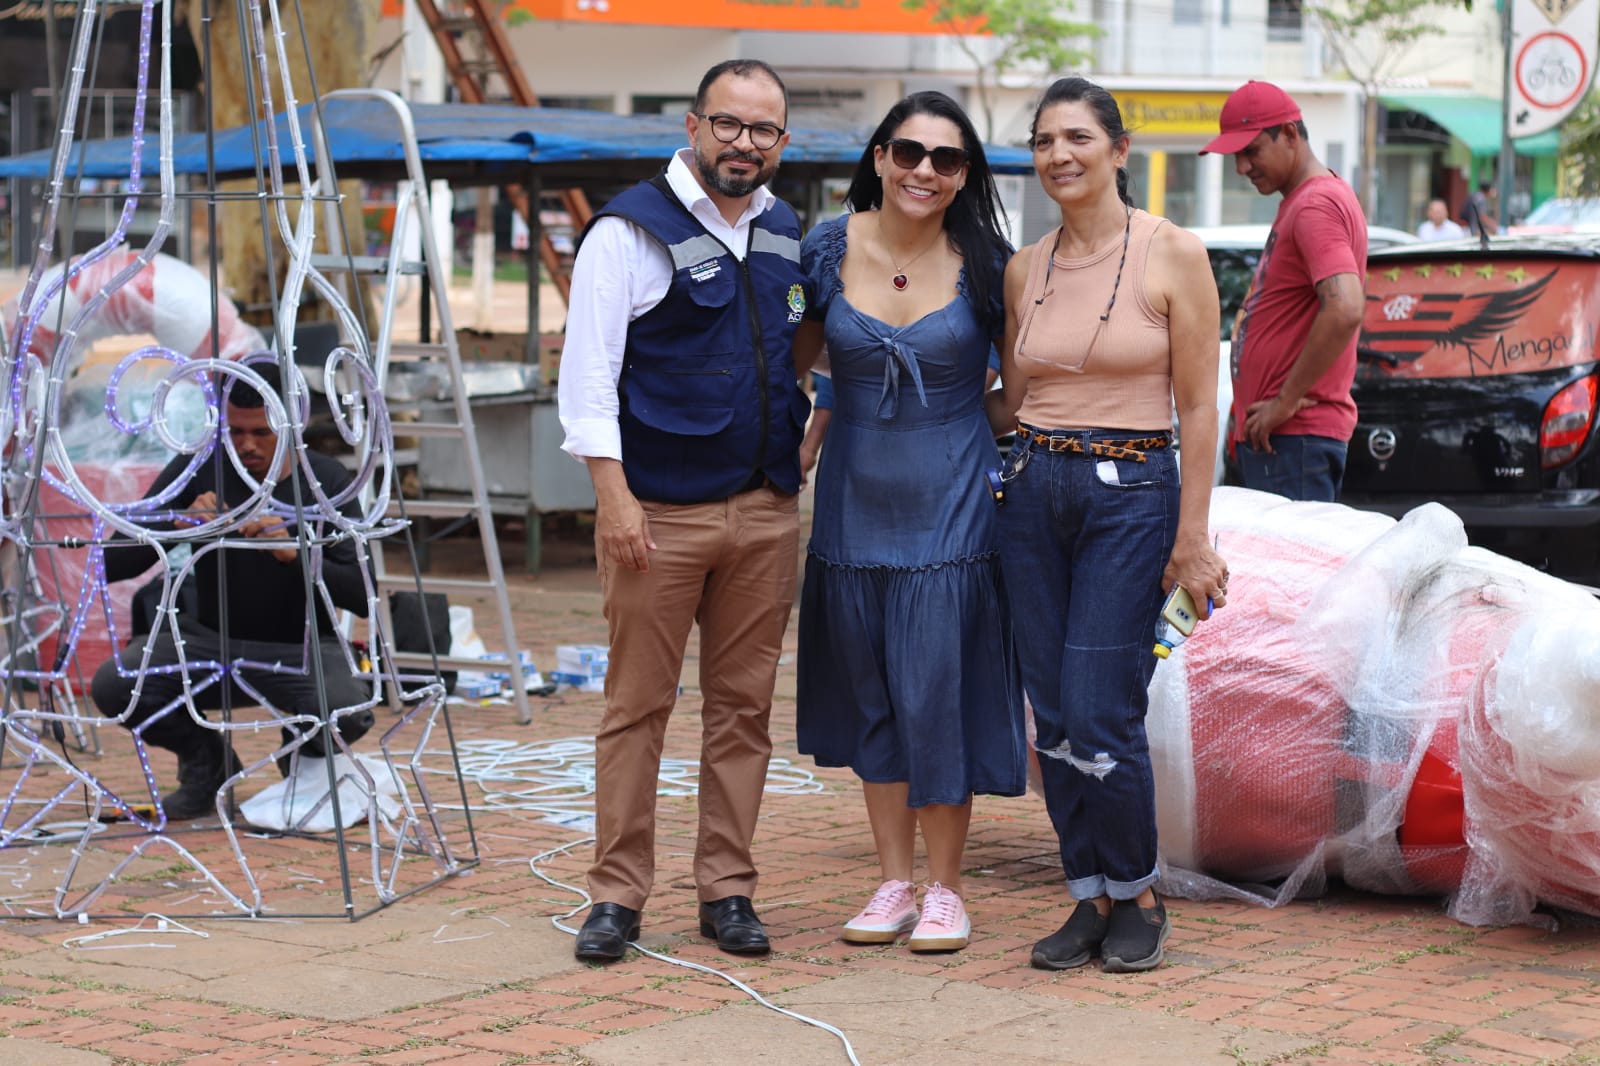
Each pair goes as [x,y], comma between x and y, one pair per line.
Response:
[730,566]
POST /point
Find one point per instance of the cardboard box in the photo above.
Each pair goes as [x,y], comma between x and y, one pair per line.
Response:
[583,666]
[492,347]
[550,359]
[578,681]
[531,681]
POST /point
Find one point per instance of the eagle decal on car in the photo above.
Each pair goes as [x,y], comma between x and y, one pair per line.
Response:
[1403,324]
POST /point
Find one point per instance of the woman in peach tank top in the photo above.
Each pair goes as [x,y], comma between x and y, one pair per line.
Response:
[1108,319]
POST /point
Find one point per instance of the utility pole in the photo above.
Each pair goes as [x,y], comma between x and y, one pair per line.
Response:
[1508,154]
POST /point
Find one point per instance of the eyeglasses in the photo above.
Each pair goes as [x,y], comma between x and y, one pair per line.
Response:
[727,129]
[908,154]
[1116,285]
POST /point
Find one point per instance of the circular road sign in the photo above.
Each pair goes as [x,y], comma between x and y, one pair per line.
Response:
[1551,70]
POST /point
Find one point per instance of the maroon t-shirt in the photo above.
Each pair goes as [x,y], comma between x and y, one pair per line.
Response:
[1319,232]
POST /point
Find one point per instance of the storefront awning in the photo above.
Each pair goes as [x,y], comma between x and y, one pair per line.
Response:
[1474,120]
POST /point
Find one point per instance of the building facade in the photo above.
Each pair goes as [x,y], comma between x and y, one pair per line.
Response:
[1170,64]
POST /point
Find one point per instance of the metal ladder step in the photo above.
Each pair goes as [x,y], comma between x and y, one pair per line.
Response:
[367,264]
[422,660]
[428,429]
[432,509]
[464,585]
[457,423]
[417,350]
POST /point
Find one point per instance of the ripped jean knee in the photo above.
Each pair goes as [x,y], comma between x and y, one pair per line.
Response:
[1098,767]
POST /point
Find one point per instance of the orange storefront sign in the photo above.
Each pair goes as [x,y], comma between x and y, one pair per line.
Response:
[1478,317]
[824,16]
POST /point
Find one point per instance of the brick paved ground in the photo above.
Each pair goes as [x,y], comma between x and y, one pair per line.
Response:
[1346,979]
[468,972]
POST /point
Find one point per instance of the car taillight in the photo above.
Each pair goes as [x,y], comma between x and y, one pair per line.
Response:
[1568,418]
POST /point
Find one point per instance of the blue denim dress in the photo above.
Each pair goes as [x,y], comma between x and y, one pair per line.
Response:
[907,670]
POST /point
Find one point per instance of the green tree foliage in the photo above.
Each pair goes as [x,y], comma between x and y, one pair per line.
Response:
[1373,35]
[1370,39]
[511,14]
[1000,35]
[1580,148]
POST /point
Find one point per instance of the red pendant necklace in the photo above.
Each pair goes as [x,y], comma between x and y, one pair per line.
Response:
[900,280]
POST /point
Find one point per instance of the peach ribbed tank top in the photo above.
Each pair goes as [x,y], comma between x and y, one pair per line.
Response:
[1126,379]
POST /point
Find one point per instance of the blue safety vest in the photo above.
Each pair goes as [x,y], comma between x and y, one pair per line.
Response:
[709,406]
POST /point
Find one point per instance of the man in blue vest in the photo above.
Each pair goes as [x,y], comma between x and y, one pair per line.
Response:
[678,390]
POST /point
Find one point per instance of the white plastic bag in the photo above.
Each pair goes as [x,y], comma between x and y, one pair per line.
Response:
[301,801]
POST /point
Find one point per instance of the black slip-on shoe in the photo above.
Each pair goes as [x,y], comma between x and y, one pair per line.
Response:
[606,932]
[732,923]
[1136,937]
[1075,943]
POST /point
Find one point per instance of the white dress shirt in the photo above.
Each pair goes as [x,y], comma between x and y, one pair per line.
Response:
[1443,231]
[621,266]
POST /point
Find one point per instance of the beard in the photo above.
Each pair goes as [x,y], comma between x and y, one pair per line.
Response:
[730,185]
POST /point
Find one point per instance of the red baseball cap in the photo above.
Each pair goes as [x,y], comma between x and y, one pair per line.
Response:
[1253,107]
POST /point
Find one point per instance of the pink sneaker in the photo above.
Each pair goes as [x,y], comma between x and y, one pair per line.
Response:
[891,911]
[944,925]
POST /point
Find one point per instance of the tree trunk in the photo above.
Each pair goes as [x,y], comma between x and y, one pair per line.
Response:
[1369,153]
[339,35]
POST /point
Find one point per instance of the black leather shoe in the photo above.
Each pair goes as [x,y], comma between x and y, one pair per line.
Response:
[606,932]
[732,923]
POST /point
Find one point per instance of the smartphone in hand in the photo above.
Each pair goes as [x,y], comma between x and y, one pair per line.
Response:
[1180,611]
[1178,619]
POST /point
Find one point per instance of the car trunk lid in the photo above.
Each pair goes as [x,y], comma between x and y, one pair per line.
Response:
[1461,351]
[1472,435]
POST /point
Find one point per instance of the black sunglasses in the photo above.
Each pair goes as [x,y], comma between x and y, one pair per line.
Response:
[908,155]
[726,128]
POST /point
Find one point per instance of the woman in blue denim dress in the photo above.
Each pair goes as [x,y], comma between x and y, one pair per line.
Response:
[907,672]
[1109,318]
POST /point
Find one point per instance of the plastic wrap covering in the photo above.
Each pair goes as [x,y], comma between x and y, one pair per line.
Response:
[171,301]
[168,299]
[1381,703]
[116,468]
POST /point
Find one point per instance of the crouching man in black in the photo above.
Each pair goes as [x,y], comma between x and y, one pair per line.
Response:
[262,593]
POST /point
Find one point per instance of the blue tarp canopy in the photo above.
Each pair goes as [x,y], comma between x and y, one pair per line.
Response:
[476,141]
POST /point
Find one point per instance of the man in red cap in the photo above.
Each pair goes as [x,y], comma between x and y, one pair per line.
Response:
[1294,350]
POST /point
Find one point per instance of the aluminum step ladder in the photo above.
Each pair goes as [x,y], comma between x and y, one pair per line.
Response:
[475,49]
[412,218]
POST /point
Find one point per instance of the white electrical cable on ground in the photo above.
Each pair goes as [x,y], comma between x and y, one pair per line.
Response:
[558,922]
[163,924]
[556,777]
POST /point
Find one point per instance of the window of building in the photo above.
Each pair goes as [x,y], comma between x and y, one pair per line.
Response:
[662,105]
[1241,204]
[1285,20]
[1183,178]
[1334,157]
[1139,179]
[579,103]
[1188,12]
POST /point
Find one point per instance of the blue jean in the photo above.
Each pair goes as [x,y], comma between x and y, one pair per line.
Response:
[1300,466]
[1084,543]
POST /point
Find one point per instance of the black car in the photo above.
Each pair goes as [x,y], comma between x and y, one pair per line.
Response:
[1476,387]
